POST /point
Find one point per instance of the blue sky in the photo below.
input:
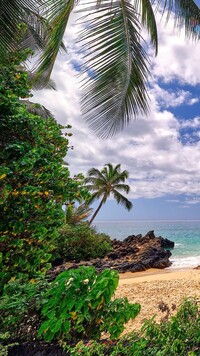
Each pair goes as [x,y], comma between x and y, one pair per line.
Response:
[161,151]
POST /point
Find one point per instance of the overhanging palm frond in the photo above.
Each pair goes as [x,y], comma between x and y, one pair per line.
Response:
[21,25]
[37,30]
[122,200]
[185,12]
[116,89]
[144,7]
[57,13]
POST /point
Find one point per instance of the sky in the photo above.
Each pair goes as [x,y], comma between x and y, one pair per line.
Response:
[161,151]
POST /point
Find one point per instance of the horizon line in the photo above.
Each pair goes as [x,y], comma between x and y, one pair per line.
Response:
[132,220]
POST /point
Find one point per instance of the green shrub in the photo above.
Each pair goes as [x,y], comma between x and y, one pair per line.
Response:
[78,306]
[178,336]
[81,242]
[33,182]
[20,307]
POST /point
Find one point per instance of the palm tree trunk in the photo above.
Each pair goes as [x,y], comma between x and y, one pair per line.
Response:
[96,211]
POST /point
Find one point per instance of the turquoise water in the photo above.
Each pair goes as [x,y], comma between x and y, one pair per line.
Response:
[185,234]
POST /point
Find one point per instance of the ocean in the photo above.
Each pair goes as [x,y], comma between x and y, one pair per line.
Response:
[185,234]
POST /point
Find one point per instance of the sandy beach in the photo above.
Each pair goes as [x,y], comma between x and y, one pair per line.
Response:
[153,287]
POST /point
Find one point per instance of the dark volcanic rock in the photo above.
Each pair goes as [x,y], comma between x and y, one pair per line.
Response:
[165,243]
[135,253]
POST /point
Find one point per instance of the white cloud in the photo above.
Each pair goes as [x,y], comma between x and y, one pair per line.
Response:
[192,123]
[178,57]
[193,201]
[169,98]
[150,148]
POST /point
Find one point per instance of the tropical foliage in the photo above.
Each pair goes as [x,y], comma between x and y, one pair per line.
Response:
[177,336]
[34,183]
[76,305]
[109,181]
[76,215]
[81,242]
[117,66]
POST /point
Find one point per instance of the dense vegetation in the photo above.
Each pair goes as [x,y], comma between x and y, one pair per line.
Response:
[34,183]
[178,336]
[75,306]
[76,309]
[81,242]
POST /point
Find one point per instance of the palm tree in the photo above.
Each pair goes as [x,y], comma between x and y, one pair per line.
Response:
[76,215]
[110,180]
[117,66]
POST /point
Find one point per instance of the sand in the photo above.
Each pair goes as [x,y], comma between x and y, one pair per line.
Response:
[155,287]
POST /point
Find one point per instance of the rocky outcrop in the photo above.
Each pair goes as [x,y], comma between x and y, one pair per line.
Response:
[135,253]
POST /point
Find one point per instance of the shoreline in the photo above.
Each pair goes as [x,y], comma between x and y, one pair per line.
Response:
[153,274]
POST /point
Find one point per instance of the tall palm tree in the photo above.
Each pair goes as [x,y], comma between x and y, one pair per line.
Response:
[109,181]
[117,66]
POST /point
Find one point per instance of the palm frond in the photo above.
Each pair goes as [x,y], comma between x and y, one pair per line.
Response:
[116,90]
[185,12]
[122,187]
[94,197]
[94,173]
[77,215]
[37,109]
[57,13]
[144,7]
[121,199]
[21,25]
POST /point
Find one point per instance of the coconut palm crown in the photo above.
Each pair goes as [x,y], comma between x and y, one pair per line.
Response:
[109,181]
[115,64]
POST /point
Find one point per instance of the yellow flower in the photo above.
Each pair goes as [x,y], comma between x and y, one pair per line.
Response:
[32,280]
[12,279]
[3,176]
[73,315]
[46,193]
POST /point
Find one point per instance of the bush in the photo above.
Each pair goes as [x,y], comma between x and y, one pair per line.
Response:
[76,305]
[81,242]
[178,336]
[33,182]
[20,306]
